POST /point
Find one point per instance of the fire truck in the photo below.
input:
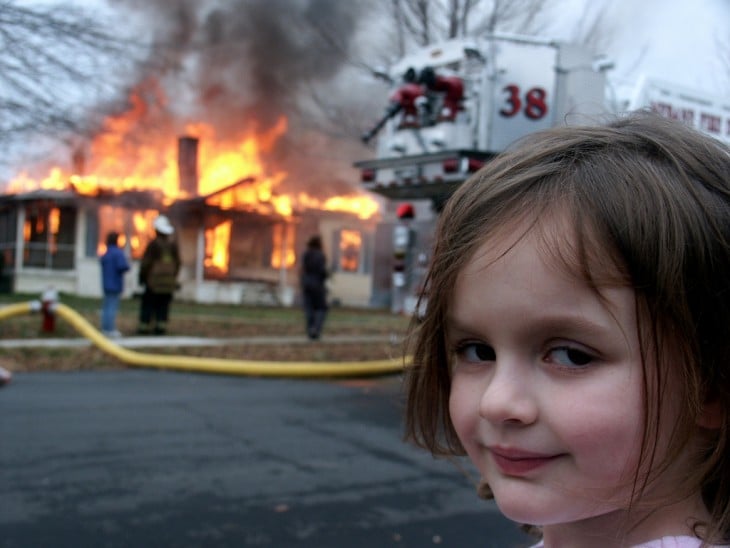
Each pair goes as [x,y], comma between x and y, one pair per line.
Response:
[454,105]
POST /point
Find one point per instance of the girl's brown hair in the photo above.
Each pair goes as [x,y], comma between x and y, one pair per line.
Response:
[652,196]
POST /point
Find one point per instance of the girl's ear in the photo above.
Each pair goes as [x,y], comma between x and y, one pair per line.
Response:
[711,415]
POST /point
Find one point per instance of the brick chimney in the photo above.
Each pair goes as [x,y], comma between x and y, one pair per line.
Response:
[187,164]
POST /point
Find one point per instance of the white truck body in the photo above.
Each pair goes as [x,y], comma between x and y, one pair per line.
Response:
[512,86]
[701,111]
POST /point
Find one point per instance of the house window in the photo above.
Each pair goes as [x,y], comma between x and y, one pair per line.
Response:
[8,229]
[48,235]
[282,252]
[351,249]
[133,226]
[250,249]
[217,249]
[246,247]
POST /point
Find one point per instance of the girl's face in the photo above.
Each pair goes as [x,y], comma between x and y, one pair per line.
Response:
[547,387]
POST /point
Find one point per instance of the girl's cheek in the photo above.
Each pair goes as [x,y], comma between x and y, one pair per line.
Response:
[464,416]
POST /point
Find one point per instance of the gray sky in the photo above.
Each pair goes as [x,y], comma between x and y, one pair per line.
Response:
[673,40]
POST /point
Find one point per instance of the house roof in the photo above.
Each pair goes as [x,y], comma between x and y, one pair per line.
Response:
[135,199]
[40,194]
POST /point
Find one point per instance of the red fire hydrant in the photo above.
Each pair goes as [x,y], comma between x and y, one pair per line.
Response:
[49,299]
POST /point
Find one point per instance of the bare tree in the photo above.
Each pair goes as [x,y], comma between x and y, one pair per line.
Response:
[593,29]
[403,25]
[52,55]
[422,22]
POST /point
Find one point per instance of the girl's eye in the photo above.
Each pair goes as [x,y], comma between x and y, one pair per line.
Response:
[476,352]
[569,357]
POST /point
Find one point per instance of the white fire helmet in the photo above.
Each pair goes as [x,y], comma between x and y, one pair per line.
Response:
[163,226]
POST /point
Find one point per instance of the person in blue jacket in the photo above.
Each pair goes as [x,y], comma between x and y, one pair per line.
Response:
[113,266]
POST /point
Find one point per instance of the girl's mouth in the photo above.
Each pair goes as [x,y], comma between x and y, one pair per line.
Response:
[515,462]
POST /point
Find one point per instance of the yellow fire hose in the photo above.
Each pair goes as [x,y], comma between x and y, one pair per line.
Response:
[208,365]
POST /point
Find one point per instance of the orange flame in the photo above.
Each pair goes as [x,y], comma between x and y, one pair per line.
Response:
[124,156]
[112,218]
[216,246]
[350,245]
[115,168]
[283,246]
[54,222]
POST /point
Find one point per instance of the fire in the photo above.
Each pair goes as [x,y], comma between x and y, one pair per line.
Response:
[224,163]
[127,155]
[363,206]
[54,222]
[350,244]
[117,219]
[55,180]
[283,246]
[216,246]
[257,196]
[121,163]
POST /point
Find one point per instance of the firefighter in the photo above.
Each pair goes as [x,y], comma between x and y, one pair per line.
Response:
[158,275]
[408,99]
[446,90]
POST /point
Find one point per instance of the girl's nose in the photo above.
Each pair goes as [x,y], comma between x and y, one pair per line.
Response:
[508,395]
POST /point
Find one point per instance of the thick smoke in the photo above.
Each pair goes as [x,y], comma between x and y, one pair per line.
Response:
[238,64]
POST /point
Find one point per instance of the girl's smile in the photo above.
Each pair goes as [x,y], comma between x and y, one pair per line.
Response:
[516,462]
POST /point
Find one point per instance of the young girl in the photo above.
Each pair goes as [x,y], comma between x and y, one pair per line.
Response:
[576,342]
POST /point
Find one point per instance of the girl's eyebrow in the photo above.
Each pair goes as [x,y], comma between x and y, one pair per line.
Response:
[567,323]
[454,324]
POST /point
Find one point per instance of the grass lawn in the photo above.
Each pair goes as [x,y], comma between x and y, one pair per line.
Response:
[207,320]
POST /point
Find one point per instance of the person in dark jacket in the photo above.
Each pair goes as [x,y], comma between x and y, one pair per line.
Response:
[158,275]
[113,266]
[314,292]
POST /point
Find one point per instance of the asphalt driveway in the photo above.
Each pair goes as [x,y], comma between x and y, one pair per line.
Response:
[154,458]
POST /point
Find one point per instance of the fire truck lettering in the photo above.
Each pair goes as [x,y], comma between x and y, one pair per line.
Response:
[513,99]
[710,122]
[688,116]
[535,105]
[665,109]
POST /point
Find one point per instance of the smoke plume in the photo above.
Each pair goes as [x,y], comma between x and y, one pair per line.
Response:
[243,64]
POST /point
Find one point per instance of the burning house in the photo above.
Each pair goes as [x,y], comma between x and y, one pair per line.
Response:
[239,243]
[252,178]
